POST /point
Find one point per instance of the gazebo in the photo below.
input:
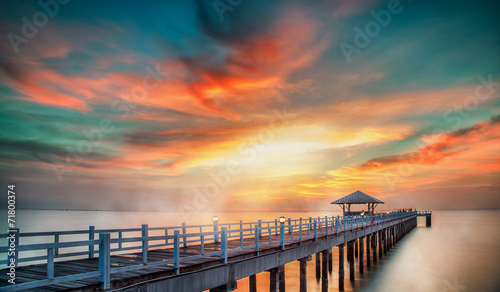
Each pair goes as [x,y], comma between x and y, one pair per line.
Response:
[358,198]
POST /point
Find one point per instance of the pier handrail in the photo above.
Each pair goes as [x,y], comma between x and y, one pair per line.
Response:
[115,241]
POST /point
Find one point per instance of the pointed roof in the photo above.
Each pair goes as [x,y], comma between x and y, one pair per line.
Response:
[357,197]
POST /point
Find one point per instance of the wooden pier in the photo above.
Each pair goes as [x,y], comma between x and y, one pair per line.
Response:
[197,258]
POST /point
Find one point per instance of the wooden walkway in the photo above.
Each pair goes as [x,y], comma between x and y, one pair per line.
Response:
[194,255]
[65,268]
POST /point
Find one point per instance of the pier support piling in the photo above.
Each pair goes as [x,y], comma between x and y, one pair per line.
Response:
[368,254]
[350,258]
[281,277]
[384,237]
[341,267]
[273,281]
[324,275]
[356,250]
[318,266]
[380,244]
[361,254]
[303,275]
[330,260]
[428,221]
[374,247]
[253,283]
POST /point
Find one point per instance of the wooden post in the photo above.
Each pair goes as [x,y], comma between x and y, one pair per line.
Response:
[281,273]
[374,247]
[368,248]
[282,236]
[350,259]
[241,233]
[428,221]
[202,244]
[184,239]
[56,241]
[223,246]
[50,263]
[356,250]
[330,260]
[380,244]
[324,275]
[253,283]
[176,252]
[315,230]
[318,266]
[341,267]
[256,239]
[260,228]
[300,231]
[289,226]
[386,245]
[274,281]
[104,260]
[216,229]
[303,275]
[91,237]
[145,244]
[361,254]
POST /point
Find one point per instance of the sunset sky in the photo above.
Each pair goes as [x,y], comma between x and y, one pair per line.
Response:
[250,105]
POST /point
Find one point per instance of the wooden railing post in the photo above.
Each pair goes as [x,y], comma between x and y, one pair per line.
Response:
[91,237]
[145,244]
[256,233]
[50,263]
[56,241]
[300,231]
[176,252]
[166,234]
[315,229]
[282,236]
[337,225]
[202,244]
[223,246]
[216,229]
[260,228]
[326,226]
[289,225]
[120,236]
[104,259]
[241,233]
[184,238]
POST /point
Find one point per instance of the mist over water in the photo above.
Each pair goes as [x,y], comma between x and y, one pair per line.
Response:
[460,252]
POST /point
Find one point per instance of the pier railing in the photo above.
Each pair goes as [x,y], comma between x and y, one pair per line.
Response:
[145,239]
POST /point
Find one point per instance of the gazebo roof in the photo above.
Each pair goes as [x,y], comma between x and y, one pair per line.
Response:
[357,197]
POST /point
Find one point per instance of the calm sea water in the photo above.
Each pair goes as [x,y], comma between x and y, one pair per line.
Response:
[460,252]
